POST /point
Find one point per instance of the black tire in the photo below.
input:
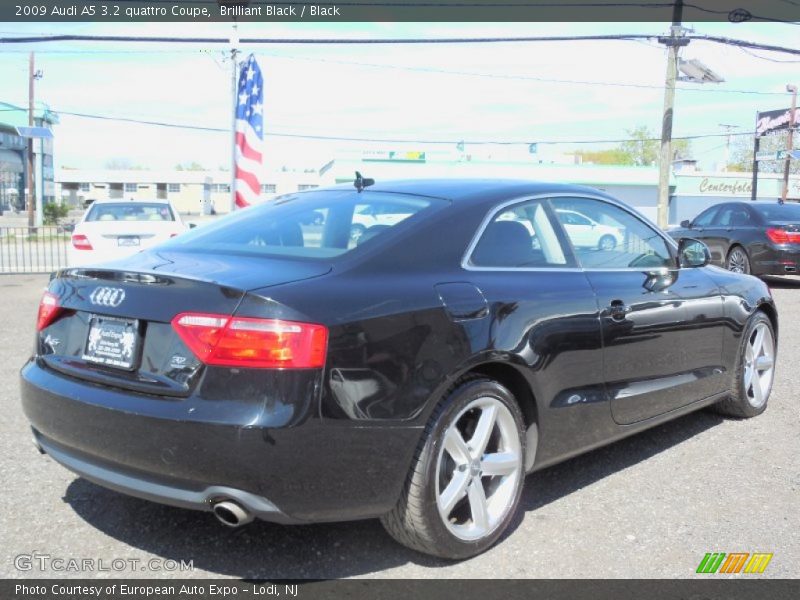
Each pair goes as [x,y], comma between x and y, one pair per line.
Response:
[415,521]
[741,403]
[738,261]
[607,242]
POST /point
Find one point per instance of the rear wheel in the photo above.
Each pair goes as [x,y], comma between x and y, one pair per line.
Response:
[754,371]
[738,261]
[466,478]
[607,242]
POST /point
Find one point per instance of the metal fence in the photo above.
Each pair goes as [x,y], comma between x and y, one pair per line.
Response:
[33,249]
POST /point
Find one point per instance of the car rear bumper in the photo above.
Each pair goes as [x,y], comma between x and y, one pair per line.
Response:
[304,469]
[778,261]
[172,493]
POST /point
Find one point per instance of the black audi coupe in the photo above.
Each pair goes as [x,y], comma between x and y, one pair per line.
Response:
[274,365]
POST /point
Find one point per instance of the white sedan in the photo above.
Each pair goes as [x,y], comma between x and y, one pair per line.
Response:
[588,233]
[113,229]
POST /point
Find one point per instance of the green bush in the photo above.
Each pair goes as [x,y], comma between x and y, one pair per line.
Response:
[53,212]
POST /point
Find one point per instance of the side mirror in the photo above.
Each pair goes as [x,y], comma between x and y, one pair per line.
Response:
[192,225]
[686,224]
[692,253]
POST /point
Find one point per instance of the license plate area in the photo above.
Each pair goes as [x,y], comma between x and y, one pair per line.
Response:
[128,240]
[112,341]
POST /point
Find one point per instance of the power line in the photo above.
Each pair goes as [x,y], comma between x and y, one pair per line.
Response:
[774,60]
[523,77]
[381,140]
[394,41]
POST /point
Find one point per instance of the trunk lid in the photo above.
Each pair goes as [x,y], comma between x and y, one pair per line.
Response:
[115,326]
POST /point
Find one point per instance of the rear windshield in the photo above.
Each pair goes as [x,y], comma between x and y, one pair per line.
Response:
[130,211]
[778,212]
[318,224]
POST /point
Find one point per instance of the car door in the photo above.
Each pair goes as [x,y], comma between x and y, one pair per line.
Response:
[697,228]
[662,326]
[543,317]
[716,235]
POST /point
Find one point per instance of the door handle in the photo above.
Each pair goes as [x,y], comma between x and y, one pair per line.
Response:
[618,310]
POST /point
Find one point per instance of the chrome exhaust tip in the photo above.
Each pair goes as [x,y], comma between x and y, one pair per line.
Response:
[231,513]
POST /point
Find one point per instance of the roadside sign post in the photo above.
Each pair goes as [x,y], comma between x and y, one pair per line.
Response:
[35,183]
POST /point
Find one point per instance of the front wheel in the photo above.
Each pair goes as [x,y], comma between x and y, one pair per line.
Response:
[755,370]
[738,261]
[466,478]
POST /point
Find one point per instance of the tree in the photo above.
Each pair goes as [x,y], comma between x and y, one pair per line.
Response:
[741,157]
[123,164]
[613,156]
[644,147]
[192,166]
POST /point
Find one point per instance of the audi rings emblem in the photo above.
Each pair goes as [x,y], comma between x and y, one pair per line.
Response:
[107,296]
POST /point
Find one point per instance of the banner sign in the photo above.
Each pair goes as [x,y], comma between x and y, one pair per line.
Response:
[775,120]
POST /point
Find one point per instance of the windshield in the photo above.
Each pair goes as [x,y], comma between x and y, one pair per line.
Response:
[778,212]
[319,224]
[130,211]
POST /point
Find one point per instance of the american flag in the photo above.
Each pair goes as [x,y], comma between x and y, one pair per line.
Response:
[249,133]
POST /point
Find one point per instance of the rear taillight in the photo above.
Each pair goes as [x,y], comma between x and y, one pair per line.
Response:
[48,310]
[254,343]
[81,242]
[781,236]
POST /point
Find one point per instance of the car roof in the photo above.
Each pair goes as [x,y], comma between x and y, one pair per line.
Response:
[470,190]
[124,201]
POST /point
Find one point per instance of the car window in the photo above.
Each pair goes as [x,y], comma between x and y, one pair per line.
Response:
[316,224]
[734,216]
[705,218]
[521,236]
[130,211]
[572,218]
[774,212]
[616,240]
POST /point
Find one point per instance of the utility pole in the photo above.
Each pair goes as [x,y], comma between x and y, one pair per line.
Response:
[792,89]
[756,148]
[728,129]
[30,200]
[674,41]
[234,106]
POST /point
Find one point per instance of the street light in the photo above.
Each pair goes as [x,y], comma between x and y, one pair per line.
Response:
[696,72]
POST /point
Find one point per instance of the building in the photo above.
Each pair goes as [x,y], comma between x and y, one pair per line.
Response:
[638,186]
[14,156]
[191,192]
[696,191]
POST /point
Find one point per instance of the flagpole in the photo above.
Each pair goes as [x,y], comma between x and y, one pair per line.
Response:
[234,105]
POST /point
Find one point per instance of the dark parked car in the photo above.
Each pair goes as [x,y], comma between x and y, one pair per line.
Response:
[258,370]
[761,238]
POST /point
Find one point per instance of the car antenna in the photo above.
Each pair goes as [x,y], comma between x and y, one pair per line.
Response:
[362,182]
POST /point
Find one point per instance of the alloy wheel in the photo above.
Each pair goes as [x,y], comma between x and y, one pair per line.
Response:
[737,261]
[759,365]
[478,469]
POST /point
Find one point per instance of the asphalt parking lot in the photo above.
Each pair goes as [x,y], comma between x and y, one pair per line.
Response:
[649,506]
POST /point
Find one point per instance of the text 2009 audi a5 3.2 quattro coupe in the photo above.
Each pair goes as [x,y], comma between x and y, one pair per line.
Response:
[274,366]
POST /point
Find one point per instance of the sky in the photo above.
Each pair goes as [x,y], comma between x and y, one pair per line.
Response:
[481,92]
